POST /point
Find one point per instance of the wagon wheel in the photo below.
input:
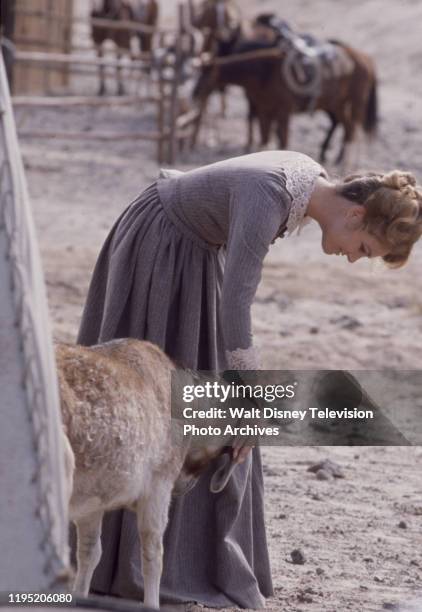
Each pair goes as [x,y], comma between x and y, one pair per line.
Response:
[302,73]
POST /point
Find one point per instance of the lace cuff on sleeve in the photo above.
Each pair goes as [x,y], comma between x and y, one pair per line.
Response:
[243,359]
[169,173]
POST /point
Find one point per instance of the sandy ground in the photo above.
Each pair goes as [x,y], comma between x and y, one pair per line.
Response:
[311,310]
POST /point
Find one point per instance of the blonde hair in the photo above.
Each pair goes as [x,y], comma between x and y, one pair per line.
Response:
[393,210]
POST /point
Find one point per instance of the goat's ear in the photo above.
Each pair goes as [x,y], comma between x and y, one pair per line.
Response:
[222,475]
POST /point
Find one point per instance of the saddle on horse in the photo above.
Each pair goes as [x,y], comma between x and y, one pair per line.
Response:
[308,60]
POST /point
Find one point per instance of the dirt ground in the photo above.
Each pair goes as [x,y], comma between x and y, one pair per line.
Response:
[311,310]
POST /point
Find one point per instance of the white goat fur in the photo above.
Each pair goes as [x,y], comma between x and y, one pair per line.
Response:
[115,401]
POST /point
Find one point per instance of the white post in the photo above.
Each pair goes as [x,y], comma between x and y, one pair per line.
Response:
[33,512]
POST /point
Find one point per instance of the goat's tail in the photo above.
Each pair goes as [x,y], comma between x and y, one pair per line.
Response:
[371,116]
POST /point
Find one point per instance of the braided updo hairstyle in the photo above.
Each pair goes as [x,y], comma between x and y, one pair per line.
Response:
[393,210]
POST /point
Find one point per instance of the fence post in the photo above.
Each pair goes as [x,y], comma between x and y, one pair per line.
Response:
[34,495]
[161,115]
[7,9]
[174,96]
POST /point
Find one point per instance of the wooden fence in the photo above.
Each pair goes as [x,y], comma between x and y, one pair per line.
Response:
[41,25]
[172,128]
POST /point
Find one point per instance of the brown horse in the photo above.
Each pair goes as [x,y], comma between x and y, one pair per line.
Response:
[219,21]
[349,99]
[145,12]
[345,84]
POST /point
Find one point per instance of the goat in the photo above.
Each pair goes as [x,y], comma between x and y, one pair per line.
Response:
[122,450]
[145,13]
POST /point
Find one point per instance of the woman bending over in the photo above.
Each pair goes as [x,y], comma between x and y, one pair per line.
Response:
[180,268]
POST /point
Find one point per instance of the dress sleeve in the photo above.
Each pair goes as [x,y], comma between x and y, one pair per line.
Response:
[257,211]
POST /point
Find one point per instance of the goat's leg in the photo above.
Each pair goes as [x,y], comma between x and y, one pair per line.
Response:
[328,137]
[152,512]
[101,72]
[88,554]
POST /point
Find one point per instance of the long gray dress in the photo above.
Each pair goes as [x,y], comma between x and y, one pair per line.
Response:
[180,268]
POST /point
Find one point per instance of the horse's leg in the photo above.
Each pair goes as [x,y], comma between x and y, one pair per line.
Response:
[265,127]
[343,148]
[368,146]
[328,137]
[101,72]
[120,86]
[343,158]
[359,111]
[349,126]
[351,115]
[223,103]
[145,42]
[358,148]
[283,129]
[197,123]
[251,119]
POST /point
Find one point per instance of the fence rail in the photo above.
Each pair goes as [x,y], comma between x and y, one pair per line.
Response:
[128,25]
[172,126]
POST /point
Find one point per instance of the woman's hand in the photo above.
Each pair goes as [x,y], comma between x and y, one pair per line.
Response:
[240,452]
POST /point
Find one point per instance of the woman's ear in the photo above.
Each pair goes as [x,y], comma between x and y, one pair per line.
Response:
[355,214]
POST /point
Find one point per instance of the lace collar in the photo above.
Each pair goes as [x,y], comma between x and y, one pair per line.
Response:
[301,174]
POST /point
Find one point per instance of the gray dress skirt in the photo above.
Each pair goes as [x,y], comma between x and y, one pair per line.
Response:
[158,281]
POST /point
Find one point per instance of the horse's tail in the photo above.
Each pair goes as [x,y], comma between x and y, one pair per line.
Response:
[371,117]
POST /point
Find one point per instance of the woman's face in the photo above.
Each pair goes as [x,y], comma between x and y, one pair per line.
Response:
[345,235]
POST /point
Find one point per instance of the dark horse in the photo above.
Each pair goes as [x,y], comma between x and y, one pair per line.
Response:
[219,21]
[145,13]
[345,86]
[349,98]
[252,75]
